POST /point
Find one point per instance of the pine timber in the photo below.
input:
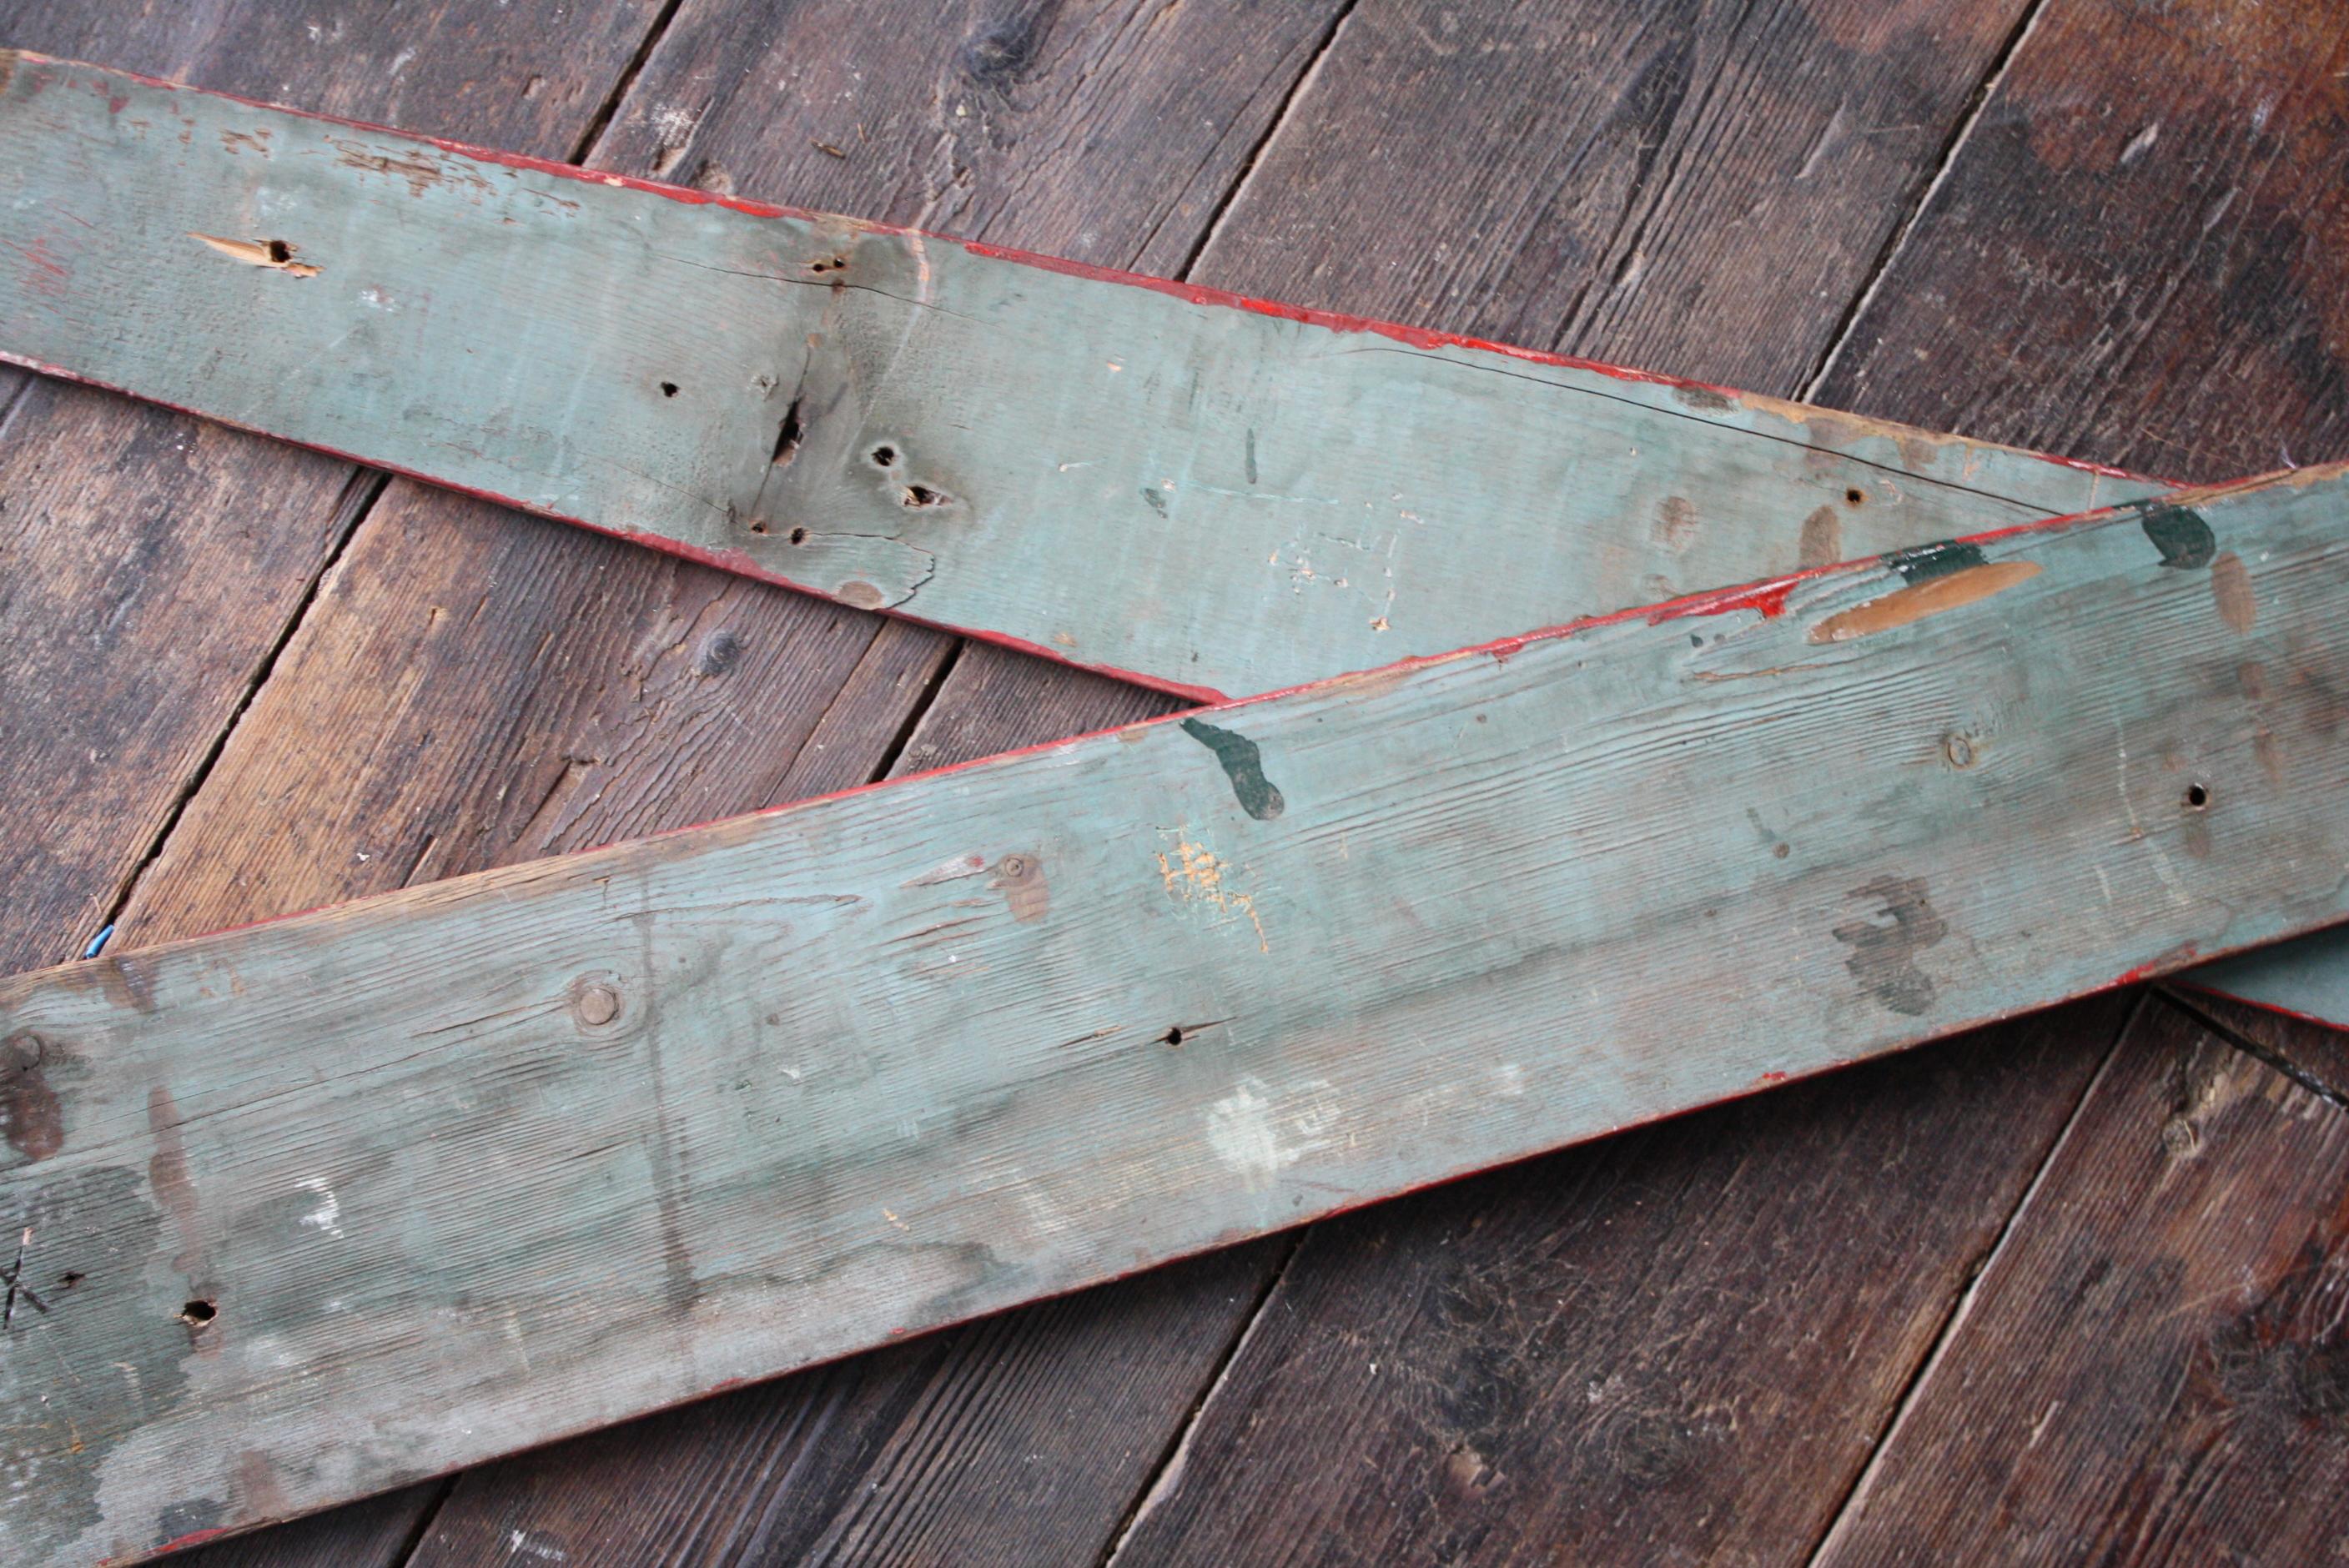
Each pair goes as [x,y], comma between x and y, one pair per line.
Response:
[582,1138]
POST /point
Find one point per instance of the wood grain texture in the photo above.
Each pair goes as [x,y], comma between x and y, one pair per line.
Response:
[1701,188]
[2155,1366]
[1406,98]
[1016,1440]
[2135,258]
[473,690]
[1139,479]
[119,681]
[955,1449]
[153,561]
[2314,1053]
[1676,1346]
[580,1137]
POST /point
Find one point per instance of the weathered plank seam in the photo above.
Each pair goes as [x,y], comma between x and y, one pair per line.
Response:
[361,488]
[1289,105]
[1899,239]
[1946,1335]
[2185,1002]
[1164,1475]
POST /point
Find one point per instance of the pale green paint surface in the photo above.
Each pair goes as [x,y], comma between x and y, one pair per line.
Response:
[878,1062]
[1196,495]
[1205,495]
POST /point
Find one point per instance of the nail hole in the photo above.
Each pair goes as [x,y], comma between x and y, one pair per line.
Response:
[757,525]
[799,536]
[668,388]
[831,265]
[1854,497]
[923,495]
[884,456]
[1173,1037]
[279,251]
[2197,797]
[198,1311]
[70,1279]
[787,439]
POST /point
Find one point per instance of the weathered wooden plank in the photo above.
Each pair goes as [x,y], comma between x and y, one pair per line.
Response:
[473,690]
[2138,257]
[118,683]
[1675,1346]
[2154,1369]
[907,422]
[394,1187]
[151,560]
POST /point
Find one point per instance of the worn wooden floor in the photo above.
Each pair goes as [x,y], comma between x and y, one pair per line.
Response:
[2072,1290]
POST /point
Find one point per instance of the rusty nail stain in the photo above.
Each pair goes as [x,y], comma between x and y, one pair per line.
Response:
[1822,538]
[1020,880]
[2231,585]
[36,1120]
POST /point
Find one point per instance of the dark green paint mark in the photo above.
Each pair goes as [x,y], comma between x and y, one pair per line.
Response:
[1258,795]
[2184,540]
[1927,561]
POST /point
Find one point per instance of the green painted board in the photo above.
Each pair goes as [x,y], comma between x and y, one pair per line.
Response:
[325,1204]
[1206,494]
[1200,492]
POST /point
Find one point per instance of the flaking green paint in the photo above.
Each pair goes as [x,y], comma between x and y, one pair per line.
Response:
[1927,561]
[2182,535]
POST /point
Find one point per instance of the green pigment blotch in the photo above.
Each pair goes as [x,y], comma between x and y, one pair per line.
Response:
[1927,561]
[1243,764]
[2181,535]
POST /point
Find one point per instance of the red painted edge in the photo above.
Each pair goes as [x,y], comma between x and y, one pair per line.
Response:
[1767,598]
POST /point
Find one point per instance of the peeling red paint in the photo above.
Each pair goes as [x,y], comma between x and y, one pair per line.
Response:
[1769,598]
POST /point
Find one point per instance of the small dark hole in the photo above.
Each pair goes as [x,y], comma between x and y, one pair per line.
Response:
[884,456]
[70,1279]
[923,495]
[668,388]
[757,525]
[2197,797]
[1854,496]
[799,536]
[279,251]
[1173,1037]
[198,1311]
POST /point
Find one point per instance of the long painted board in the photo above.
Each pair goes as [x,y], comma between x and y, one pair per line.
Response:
[322,1205]
[1206,494]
